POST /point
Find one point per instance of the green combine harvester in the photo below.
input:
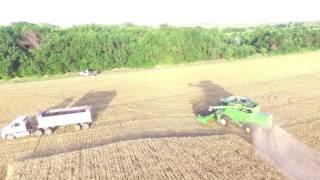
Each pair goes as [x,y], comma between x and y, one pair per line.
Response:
[238,110]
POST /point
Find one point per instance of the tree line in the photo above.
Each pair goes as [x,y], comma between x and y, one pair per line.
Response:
[38,49]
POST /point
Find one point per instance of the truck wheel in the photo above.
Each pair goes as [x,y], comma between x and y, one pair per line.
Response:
[77,127]
[224,120]
[48,131]
[10,137]
[39,132]
[85,125]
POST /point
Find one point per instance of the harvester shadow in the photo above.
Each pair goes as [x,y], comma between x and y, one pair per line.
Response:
[212,93]
[98,100]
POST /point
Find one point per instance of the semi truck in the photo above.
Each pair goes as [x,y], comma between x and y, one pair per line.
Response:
[46,121]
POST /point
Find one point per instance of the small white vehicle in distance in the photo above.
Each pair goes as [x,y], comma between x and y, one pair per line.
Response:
[88,73]
[46,121]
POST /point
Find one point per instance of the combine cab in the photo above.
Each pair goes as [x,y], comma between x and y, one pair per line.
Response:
[238,110]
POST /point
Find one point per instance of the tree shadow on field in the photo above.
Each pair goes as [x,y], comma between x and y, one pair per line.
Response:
[212,93]
[98,100]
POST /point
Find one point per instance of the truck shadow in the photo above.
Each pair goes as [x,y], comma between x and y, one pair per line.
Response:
[212,93]
[98,100]
[63,104]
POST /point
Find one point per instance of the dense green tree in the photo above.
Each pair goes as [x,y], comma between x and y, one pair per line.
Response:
[10,55]
[28,49]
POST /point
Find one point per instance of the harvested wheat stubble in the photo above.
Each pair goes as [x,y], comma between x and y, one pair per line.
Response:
[3,172]
[149,101]
[207,157]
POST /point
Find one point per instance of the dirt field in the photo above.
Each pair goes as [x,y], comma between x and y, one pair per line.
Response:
[160,103]
[164,158]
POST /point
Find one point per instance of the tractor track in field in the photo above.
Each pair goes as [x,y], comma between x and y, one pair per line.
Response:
[136,136]
[307,121]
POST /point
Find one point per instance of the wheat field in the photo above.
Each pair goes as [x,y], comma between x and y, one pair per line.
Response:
[160,104]
[207,157]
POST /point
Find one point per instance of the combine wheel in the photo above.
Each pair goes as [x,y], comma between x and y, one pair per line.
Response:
[224,121]
[247,129]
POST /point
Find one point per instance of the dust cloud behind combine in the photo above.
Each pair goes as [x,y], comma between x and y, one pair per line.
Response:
[294,158]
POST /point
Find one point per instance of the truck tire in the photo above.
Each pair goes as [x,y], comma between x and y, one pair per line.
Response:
[77,127]
[48,131]
[10,137]
[224,121]
[85,125]
[39,132]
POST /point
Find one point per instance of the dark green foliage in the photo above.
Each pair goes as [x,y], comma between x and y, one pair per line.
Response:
[32,50]
[11,57]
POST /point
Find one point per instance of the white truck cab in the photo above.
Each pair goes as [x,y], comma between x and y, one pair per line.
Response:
[17,128]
